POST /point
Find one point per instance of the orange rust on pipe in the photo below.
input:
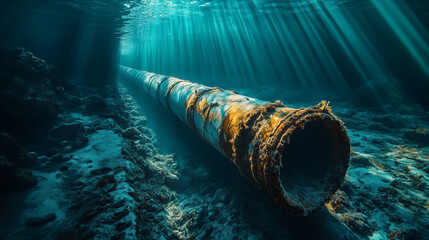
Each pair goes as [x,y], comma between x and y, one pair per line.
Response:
[299,156]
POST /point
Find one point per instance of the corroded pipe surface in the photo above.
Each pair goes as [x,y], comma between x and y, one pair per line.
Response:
[299,156]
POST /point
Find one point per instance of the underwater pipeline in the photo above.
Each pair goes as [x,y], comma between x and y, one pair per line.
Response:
[299,156]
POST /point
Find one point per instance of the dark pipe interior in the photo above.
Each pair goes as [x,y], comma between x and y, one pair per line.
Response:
[308,164]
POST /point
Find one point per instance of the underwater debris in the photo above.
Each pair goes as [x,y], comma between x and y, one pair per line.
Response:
[299,156]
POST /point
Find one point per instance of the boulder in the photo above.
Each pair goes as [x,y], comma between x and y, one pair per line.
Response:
[95,104]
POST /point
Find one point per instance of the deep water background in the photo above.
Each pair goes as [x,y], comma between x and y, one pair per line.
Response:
[363,55]
[80,38]
[328,48]
[315,47]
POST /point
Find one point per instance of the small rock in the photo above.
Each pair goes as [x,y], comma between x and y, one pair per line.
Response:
[357,222]
[64,168]
[107,180]
[57,157]
[361,160]
[90,130]
[377,141]
[67,149]
[121,214]
[172,181]
[122,225]
[131,133]
[100,171]
[95,104]
[339,201]
[89,214]
[67,157]
[141,121]
[418,135]
[31,157]
[43,159]
[38,221]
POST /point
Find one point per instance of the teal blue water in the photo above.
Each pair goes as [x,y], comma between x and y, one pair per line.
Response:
[311,45]
[316,46]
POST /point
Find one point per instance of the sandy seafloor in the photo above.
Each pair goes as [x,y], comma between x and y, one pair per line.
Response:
[144,175]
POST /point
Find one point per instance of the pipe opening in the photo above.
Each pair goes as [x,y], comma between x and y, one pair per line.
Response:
[311,162]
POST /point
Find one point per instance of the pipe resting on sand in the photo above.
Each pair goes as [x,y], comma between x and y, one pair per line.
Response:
[299,156]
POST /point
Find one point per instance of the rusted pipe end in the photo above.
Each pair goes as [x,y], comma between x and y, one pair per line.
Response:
[299,156]
[308,156]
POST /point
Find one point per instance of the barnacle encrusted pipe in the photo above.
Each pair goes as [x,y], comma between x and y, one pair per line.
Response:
[299,156]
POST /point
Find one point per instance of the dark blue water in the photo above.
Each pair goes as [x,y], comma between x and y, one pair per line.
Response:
[314,46]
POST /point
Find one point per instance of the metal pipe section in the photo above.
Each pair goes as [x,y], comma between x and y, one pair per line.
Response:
[299,156]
